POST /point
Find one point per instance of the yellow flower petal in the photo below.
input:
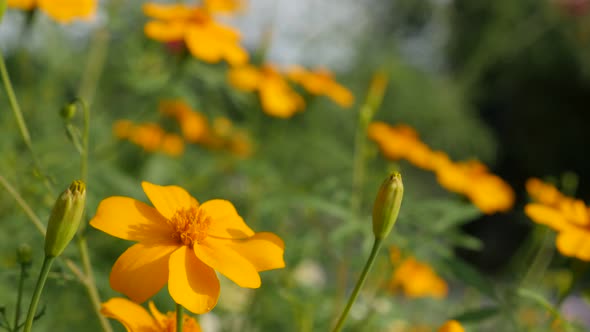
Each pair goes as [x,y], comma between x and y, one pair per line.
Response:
[22,4]
[129,219]
[133,316]
[192,284]
[165,31]
[168,199]
[218,255]
[263,250]
[574,244]
[246,78]
[546,215]
[141,271]
[451,326]
[169,12]
[225,221]
[65,11]
[160,318]
[202,43]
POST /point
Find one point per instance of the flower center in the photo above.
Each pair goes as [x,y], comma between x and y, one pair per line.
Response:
[190,225]
[189,325]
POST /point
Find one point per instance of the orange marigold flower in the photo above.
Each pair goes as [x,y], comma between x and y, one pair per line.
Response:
[148,136]
[136,319]
[172,145]
[224,6]
[543,192]
[451,326]
[417,279]
[63,11]
[568,216]
[123,128]
[193,124]
[205,38]
[471,178]
[278,99]
[321,82]
[182,243]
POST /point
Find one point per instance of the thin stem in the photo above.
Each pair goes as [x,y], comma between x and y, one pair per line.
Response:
[179,317]
[18,114]
[85,135]
[90,284]
[23,204]
[38,290]
[359,284]
[19,296]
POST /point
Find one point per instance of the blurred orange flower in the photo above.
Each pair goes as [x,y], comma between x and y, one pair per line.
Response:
[136,319]
[150,136]
[224,6]
[470,178]
[568,216]
[321,82]
[205,38]
[277,97]
[417,279]
[182,243]
[451,326]
[63,11]
[192,123]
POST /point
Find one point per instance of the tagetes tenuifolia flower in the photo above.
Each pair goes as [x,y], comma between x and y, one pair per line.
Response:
[417,279]
[193,124]
[470,178]
[205,38]
[182,243]
[136,319]
[451,326]
[150,136]
[570,217]
[321,82]
[63,11]
[223,6]
[277,97]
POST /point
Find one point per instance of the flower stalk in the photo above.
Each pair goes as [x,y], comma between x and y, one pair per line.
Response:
[47,262]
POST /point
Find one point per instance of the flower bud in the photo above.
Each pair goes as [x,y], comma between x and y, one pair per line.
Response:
[68,111]
[387,205]
[65,218]
[24,254]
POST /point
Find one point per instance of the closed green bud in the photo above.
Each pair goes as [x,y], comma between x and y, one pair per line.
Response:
[65,218]
[24,254]
[387,205]
[68,111]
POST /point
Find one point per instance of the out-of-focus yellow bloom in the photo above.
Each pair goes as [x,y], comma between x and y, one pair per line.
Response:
[136,319]
[451,326]
[487,191]
[63,11]
[277,97]
[471,178]
[544,193]
[205,38]
[181,242]
[417,279]
[240,144]
[148,136]
[224,6]
[172,145]
[568,216]
[123,128]
[193,124]
[321,82]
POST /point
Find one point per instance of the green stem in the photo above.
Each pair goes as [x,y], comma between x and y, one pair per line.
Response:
[19,295]
[18,114]
[359,284]
[179,317]
[38,289]
[23,204]
[90,284]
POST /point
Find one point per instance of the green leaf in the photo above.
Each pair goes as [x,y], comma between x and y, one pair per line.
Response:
[477,315]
